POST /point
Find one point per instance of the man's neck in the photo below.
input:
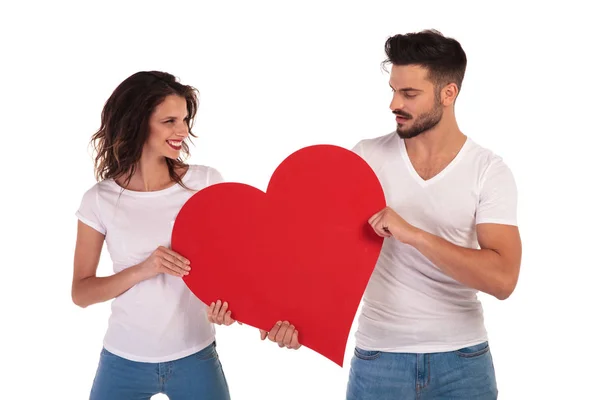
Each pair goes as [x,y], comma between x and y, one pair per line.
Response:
[444,139]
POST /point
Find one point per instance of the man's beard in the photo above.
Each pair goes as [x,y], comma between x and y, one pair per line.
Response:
[422,124]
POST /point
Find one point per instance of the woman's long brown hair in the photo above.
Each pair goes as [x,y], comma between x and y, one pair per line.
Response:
[125,119]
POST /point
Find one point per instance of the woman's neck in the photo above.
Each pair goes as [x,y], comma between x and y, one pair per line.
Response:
[151,174]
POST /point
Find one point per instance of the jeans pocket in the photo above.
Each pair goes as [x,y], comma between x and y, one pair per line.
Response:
[474,351]
[208,352]
[366,354]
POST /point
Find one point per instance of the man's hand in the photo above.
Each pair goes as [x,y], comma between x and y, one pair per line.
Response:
[282,333]
[387,223]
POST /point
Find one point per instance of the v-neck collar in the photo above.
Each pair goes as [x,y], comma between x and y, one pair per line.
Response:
[441,174]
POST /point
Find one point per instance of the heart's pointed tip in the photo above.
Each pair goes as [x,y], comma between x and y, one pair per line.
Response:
[338,360]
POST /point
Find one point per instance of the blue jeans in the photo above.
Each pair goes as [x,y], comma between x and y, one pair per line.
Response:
[199,376]
[465,374]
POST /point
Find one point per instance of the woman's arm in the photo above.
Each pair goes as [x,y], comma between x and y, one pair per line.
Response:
[88,289]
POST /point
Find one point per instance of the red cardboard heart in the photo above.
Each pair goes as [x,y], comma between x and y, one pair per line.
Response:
[302,252]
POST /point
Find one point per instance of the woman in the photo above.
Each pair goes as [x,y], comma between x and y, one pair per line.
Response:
[160,337]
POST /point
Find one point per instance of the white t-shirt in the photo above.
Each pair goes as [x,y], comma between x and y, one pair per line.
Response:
[410,305]
[158,319]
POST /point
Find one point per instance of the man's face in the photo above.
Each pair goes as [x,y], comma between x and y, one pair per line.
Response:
[416,101]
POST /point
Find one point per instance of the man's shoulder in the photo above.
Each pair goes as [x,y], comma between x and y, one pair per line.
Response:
[376,145]
[483,156]
[489,165]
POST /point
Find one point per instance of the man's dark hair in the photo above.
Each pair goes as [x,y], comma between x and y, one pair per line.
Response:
[443,57]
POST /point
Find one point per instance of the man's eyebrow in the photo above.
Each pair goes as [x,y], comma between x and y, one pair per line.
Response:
[406,89]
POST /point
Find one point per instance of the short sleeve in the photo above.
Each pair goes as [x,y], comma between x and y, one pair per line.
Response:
[89,211]
[498,196]
[214,177]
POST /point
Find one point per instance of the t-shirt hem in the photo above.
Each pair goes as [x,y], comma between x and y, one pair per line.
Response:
[421,349]
[167,358]
[90,223]
[496,221]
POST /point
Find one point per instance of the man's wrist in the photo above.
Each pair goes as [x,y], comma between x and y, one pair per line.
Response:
[416,238]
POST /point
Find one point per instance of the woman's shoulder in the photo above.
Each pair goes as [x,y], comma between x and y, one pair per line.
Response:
[98,187]
[203,175]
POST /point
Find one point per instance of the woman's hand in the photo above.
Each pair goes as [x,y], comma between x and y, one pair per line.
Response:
[218,314]
[164,261]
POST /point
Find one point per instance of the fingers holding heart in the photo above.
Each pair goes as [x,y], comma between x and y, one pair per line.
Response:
[219,314]
[273,332]
[281,333]
[381,221]
[290,340]
[263,334]
[284,334]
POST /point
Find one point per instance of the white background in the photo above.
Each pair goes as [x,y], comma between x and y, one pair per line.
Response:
[274,77]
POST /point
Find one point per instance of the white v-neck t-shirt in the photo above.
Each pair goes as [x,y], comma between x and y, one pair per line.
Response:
[410,305]
[158,319]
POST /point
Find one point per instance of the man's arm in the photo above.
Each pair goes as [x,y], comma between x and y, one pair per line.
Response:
[494,269]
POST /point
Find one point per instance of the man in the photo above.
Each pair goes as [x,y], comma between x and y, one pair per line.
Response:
[451,231]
